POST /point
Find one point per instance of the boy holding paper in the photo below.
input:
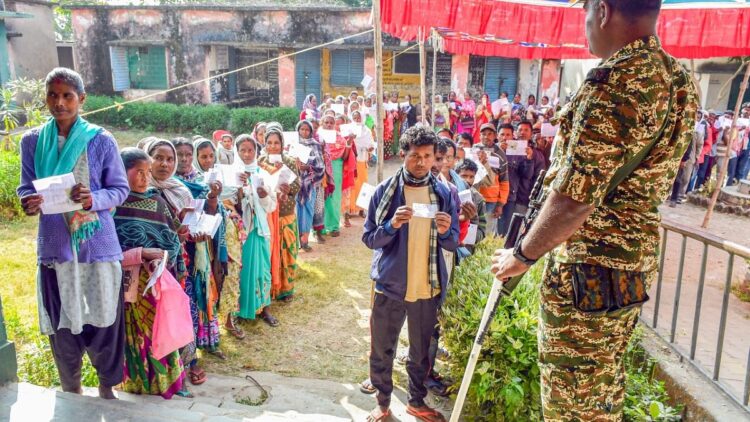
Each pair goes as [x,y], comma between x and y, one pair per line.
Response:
[408,268]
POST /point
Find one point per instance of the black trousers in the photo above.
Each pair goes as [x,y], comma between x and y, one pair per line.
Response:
[388,316]
[105,346]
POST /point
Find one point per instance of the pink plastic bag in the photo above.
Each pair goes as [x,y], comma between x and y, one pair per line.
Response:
[173,325]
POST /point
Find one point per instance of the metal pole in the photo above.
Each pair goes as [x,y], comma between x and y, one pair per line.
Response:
[434,75]
[746,393]
[660,277]
[732,139]
[698,302]
[723,321]
[678,290]
[380,114]
[422,76]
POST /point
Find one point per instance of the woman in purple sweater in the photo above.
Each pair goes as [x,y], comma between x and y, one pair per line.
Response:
[79,280]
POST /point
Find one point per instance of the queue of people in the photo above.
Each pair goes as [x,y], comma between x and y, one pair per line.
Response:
[135,214]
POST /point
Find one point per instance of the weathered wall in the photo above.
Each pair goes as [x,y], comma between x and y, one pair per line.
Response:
[34,53]
[460,73]
[287,96]
[529,72]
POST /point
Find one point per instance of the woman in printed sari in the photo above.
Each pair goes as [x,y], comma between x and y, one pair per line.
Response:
[79,276]
[397,118]
[282,222]
[309,108]
[146,227]
[311,180]
[338,152]
[206,256]
[349,172]
[454,107]
[254,203]
[442,115]
[482,115]
[179,200]
[364,145]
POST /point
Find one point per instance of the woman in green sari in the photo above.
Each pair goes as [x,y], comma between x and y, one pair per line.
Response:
[339,153]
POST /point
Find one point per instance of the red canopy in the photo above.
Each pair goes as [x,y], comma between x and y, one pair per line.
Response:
[533,29]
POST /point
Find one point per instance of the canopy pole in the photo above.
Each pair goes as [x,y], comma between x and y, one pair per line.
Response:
[380,114]
[422,75]
[434,76]
[732,139]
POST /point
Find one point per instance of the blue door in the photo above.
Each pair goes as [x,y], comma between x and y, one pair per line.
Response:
[307,75]
[500,74]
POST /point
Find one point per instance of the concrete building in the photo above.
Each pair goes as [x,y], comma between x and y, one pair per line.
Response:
[27,39]
[134,50]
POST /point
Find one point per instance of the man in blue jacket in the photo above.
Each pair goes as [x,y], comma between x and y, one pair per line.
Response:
[408,268]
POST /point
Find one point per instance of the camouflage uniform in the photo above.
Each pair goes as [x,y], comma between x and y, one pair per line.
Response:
[617,112]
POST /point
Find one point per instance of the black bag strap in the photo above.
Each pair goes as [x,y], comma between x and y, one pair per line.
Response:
[623,172]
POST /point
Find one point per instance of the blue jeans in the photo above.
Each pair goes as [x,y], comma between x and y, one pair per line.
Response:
[504,223]
[743,164]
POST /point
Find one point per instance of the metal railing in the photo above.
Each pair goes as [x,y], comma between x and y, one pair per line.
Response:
[709,241]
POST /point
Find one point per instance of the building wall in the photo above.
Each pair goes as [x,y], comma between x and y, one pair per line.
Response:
[34,53]
[287,96]
[530,74]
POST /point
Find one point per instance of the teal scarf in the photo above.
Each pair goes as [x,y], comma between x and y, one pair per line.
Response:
[48,162]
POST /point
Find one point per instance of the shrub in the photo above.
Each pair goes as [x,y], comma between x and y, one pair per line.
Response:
[10,176]
[505,386]
[186,119]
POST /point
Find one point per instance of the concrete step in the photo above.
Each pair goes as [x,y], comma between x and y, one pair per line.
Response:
[288,399]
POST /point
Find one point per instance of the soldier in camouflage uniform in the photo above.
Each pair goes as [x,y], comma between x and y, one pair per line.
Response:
[604,248]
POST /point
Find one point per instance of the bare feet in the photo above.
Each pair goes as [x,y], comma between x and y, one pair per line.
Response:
[73,390]
[107,393]
[379,414]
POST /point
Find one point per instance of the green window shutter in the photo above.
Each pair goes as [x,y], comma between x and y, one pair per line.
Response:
[147,67]
[347,67]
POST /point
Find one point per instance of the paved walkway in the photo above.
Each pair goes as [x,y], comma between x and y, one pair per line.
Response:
[734,358]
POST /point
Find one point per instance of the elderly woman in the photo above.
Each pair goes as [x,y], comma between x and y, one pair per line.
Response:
[311,179]
[79,276]
[146,228]
[282,222]
[207,256]
[179,200]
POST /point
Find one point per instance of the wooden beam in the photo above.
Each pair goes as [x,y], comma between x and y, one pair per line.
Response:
[434,76]
[725,163]
[422,76]
[379,116]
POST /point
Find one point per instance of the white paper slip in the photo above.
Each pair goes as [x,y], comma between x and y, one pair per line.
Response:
[549,131]
[465,196]
[365,194]
[274,158]
[300,152]
[55,193]
[337,108]
[230,175]
[191,218]
[516,147]
[424,210]
[493,161]
[481,173]
[290,138]
[283,176]
[390,106]
[351,129]
[366,81]
[206,224]
[328,136]
[256,180]
[471,235]
[405,104]
[469,154]
[211,176]
[197,204]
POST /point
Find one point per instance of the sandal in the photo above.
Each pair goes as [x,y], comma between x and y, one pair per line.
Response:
[366,387]
[305,247]
[197,378]
[335,233]
[233,330]
[269,319]
[288,299]
[185,393]
[362,214]
[347,223]
[218,353]
[320,237]
[425,413]
[379,415]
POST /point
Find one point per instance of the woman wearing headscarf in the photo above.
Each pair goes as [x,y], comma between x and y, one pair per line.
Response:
[254,202]
[482,115]
[311,179]
[364,145]
[259,134]
[146,228]
[79,277]
[442,115]
[282,222]
[349,171]
[309,108]
[179,200]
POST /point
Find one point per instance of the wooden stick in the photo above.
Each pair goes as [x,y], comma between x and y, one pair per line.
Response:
[422,75]
[730,145]
[434,75]
[380,115]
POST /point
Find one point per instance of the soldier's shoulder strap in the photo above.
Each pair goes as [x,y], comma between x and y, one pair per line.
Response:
[623,172]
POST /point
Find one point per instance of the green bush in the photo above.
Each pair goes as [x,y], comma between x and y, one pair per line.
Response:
[505,386]
[10,177]
[186,119]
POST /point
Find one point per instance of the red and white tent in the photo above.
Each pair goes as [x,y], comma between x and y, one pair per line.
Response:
[551,29]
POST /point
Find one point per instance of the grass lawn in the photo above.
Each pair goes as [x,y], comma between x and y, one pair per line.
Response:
[323,334]
[130,137]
